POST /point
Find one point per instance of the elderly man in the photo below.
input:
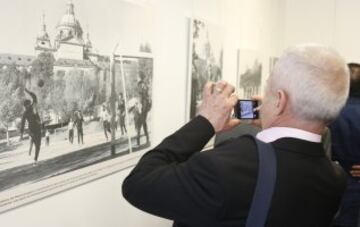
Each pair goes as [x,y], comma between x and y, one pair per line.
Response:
[307,89]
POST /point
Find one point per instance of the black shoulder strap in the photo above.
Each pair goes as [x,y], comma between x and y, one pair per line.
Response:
[265,185]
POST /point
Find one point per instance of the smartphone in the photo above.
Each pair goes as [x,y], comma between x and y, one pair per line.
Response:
[246,109]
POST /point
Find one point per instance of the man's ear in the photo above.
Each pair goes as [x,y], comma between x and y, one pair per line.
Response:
[281,102]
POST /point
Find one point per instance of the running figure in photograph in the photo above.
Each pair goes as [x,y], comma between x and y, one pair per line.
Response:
[31,115]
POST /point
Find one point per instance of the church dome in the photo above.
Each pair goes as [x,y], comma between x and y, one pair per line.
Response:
[69,20]
[69,27]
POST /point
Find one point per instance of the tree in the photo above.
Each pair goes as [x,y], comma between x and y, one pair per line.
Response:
[43,66]
[57,100]
[80,91]
[43,69]
[12,88]
[145,64]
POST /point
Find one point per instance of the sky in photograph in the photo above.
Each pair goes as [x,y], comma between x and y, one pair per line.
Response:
[108,22]
[210,33]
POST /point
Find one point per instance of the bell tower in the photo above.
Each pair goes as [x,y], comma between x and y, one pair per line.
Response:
[43,40]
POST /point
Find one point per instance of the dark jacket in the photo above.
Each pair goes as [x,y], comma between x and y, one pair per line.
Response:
[215,187]
[345,131]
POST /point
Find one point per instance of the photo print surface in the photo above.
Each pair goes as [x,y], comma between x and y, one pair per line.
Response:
[205,60]
[272,62]
[62,107]
[249,74]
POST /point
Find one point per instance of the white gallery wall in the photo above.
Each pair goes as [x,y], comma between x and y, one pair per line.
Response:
[331,22]
[247,24]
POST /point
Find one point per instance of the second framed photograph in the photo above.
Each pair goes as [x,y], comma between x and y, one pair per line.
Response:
[205,61]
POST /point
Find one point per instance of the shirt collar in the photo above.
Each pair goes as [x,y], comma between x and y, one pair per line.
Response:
[271,134]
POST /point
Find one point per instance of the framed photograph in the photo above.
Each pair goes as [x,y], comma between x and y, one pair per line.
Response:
[249,73]
[205,60]
[71,110]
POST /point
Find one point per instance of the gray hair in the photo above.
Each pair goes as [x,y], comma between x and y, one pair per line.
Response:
[316,79]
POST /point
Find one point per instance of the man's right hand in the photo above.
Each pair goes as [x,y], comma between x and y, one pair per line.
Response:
[217,104]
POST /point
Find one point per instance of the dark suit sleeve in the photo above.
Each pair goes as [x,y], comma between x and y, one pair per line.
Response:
[175,180]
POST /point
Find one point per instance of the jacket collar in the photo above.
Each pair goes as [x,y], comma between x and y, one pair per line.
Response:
[299,146]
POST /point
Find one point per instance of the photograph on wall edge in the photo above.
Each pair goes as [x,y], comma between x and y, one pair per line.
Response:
[70,112]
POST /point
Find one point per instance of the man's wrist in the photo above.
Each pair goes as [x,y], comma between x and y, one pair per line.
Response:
[207,122]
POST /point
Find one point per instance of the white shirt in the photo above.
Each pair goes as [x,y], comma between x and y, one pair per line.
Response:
[104,115]
[271,134]
[71,125]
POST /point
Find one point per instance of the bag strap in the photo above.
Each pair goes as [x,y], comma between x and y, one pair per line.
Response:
[265,185]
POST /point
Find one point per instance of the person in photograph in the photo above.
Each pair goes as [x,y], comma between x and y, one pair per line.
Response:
[116,120]
[175,180]
[145,104]
[136,112]
[47,137]
[121,114]
[79,124]
[31,115]
[71,130]
[31,146]
[105,119]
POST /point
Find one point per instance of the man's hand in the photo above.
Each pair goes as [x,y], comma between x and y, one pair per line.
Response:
[217,104]
[355,171]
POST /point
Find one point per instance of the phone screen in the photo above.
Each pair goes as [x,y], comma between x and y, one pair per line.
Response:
[246,109]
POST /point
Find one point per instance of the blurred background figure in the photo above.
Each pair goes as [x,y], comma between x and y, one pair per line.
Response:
[345,139]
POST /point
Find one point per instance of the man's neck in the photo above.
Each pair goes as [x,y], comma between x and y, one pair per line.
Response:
[309,126]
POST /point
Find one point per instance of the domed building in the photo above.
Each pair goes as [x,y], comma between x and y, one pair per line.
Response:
[69,41]
[70,49]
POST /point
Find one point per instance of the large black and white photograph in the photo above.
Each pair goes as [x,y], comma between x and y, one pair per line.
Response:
[205,60]
[249,73]
[67,102]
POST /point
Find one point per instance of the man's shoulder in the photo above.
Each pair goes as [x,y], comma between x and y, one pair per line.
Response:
[236,151]
[243,140]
